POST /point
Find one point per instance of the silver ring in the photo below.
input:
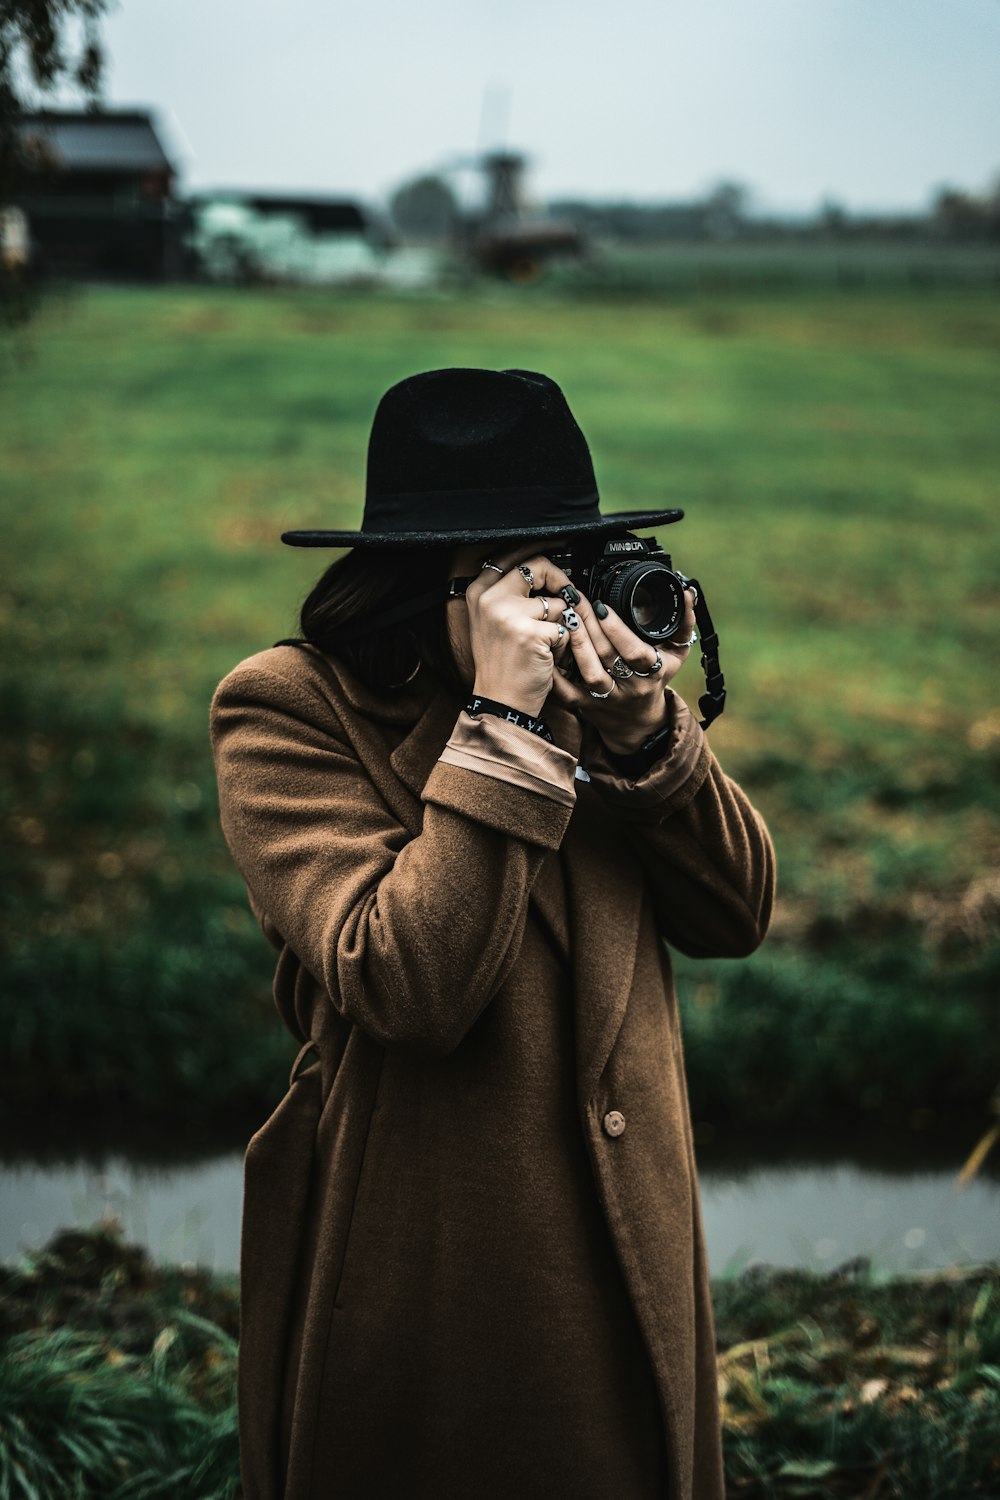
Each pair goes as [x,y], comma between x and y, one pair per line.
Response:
[491,565]
[658,663]
[545,606]
[682,645]
[603,695]
[526,574]
[620,668]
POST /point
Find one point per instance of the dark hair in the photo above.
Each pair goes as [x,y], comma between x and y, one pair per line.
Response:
[362,584]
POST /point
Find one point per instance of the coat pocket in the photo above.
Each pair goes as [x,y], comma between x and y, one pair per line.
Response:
[277,1169]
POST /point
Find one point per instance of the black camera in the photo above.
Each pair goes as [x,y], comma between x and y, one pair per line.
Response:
[634,577]
[637,579]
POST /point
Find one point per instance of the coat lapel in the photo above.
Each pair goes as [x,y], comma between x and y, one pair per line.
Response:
[413,758]
[605,900]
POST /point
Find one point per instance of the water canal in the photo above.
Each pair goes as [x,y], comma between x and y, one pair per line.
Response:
[815,1208]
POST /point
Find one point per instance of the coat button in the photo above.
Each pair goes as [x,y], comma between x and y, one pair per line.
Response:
[614,1122]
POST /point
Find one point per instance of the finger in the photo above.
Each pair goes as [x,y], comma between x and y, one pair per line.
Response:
[558,640]
[625,643]
[629,667]
[545,576]
[568,694]
[496,567]
[682,642]
[595,630]
[541,638]
[614,642]
[688,625]
[619,640]
[691,595]
[590,666]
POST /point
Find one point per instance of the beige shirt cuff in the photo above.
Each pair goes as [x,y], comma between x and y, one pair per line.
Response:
[493,747]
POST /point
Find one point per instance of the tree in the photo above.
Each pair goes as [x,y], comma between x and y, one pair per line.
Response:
[725,210]
[966,216]
[424,207]
[42,43]
[832,218]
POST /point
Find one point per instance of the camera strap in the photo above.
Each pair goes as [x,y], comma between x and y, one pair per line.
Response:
[713,699]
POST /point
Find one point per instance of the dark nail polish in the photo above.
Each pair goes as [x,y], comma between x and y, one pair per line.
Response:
[600,609]
[570,594]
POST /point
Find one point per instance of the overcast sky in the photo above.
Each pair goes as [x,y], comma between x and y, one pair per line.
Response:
[872,102]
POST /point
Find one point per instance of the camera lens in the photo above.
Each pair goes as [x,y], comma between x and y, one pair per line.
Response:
[648,601]
[649,598]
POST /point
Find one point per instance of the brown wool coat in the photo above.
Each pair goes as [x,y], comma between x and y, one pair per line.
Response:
[457,1280]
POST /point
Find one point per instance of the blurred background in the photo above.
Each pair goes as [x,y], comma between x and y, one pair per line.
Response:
[758,245]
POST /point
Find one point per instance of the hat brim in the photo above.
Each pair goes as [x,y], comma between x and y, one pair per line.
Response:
[601,526]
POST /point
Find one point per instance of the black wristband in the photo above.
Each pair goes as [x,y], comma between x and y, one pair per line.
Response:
[649,752]
[476,705]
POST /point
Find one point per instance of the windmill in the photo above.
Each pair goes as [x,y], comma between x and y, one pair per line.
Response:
[509,239]
[495,228]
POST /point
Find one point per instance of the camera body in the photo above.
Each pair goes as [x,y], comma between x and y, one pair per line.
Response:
[634,577]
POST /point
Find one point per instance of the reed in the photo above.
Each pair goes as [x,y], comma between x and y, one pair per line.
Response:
[117,1379]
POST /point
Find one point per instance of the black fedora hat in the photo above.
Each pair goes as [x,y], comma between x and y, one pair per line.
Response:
[468,455]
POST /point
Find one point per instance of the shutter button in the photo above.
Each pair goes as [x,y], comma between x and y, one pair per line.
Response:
[614,1122]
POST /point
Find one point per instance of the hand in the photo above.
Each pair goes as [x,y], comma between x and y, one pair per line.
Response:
[637,706]
[514,646]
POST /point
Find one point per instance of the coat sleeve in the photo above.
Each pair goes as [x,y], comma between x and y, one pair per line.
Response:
[705,849]
[409,936]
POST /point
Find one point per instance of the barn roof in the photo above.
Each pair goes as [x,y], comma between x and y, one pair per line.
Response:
[319,213]
[102,141]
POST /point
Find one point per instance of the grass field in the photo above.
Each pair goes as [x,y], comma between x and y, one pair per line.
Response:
[837,455]
[774,265]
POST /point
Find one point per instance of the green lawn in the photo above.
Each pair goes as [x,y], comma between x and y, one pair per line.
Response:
[837,455]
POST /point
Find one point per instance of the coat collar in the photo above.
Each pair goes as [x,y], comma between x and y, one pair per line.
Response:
[414,757]
[403,706]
